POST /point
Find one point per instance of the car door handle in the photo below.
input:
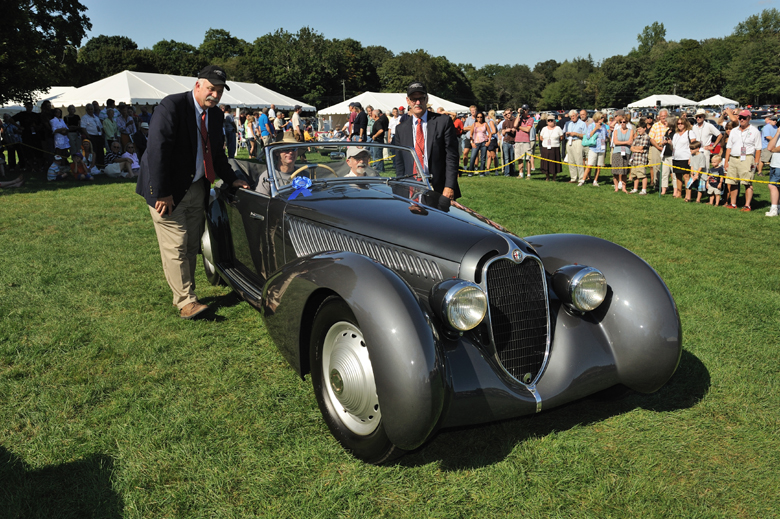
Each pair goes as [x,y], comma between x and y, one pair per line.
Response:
[256,216]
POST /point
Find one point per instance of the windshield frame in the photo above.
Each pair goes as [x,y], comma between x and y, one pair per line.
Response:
[277,188]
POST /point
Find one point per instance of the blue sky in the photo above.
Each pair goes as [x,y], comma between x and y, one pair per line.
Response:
[503,32]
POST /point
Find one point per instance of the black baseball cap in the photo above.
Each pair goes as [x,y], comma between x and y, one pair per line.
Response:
[215,74]
[416,87]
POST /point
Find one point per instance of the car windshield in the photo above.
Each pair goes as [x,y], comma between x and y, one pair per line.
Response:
[337,161]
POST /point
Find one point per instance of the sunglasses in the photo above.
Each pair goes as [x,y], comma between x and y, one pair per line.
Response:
[700,117]
[741,117]
[680,124]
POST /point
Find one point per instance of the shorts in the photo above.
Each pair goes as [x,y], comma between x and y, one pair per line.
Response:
[713,190]
[267,139]
[766,155]
[466,144]
[596,158]
[522,149]
[740,169]
[774,175]
[638,172]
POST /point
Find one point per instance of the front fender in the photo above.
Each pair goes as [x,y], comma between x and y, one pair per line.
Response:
[408,369]
[639,318]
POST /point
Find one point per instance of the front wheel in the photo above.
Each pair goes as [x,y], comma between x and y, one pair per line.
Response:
[343,381]
[208,258]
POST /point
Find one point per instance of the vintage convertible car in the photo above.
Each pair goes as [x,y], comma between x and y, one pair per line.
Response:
[413,313]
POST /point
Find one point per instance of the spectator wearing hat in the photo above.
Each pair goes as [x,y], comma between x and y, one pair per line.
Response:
[56,170]
[743,152]
[573,131]
[705,133]
[432,136]
[79,169]
[767,132]
[522,125]
[358,160]
[183,158]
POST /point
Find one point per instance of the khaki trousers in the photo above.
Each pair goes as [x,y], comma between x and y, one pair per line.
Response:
[574,151]
[662,172]
[178,235]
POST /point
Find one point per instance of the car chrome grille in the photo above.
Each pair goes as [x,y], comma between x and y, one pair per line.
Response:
[308,238]
[518,316]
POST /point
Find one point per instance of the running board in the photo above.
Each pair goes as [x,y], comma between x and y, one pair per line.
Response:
[243,285]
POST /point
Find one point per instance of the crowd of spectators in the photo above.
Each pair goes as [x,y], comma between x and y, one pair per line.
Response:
[704,153]
[658,148]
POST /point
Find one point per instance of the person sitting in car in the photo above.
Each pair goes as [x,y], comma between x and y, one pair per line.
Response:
[357,160]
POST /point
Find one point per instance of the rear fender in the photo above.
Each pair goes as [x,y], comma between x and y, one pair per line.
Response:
[408,370]
[639,318]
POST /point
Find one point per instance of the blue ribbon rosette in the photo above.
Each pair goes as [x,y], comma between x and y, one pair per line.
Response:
[301,185]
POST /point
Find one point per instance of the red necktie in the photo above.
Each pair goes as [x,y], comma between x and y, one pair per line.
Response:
[204,137]
[419,147]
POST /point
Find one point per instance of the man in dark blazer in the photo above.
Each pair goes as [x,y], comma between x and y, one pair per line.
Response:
[183,155]
[439,155]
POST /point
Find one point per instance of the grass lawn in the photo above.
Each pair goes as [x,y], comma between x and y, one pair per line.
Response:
[111,406]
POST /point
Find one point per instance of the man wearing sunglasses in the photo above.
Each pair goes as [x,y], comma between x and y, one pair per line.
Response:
[743,152]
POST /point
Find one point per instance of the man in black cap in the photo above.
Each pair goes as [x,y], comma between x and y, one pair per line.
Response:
[434,140]
[183,156]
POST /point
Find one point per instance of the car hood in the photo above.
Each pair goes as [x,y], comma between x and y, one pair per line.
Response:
[402,213]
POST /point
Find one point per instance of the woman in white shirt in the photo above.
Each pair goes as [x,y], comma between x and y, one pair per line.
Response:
[551,148]
[681,156]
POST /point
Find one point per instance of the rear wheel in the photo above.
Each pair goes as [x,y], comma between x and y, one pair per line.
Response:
[343,381]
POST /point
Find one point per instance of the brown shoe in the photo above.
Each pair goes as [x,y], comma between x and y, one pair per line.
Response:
[192,309]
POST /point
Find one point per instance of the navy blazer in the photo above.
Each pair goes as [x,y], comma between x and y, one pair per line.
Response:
[168,166]
[441,147]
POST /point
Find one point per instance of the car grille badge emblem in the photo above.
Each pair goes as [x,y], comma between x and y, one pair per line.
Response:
[517,256]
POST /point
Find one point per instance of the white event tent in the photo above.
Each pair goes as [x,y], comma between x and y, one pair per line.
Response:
[666,100]
[338,114]
[53,93]
[146,88]
[717,100]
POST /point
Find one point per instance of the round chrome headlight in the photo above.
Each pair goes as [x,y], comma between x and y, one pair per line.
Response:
[461,304]
[582,288]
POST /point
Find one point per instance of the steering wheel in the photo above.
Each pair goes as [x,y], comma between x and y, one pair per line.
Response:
[309,166]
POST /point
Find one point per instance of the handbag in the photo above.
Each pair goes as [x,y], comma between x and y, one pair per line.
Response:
[589,142]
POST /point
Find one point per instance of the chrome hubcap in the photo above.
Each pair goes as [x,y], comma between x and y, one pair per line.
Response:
[351,387]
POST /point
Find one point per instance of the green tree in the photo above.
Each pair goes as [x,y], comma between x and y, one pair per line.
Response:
[181,59]
[752,74]
[104,56]
[765,24]
[651,36]
[38,44]
[441,77]
[565,93]
[377,55]
[219,44]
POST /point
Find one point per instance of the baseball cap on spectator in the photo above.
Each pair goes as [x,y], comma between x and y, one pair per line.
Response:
[416,87]
[145,125]
[401,108]
[701,111]
[215,75]
[296,107]
[355,150]
[745,113]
